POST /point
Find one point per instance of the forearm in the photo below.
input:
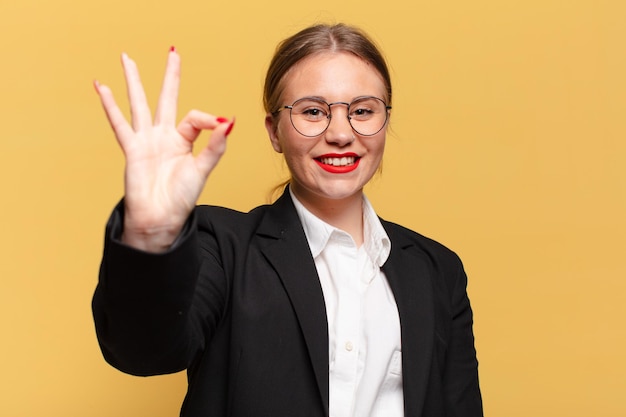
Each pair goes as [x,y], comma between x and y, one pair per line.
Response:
[142,303]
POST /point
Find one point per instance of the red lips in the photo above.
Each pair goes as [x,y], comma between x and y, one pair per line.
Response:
[329,166]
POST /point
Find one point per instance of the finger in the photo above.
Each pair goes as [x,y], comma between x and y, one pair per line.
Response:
[210,155]
[166,109]
[195,122]
[116,118]
[140,111]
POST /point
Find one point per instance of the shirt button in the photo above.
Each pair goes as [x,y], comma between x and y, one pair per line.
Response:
[349,346]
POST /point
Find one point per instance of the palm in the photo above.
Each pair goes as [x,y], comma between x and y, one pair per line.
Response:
[163,178]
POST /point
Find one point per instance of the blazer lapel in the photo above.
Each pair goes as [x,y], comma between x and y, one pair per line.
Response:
[289,253]
[409,274]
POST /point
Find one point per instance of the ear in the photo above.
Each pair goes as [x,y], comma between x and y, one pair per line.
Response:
[271,126]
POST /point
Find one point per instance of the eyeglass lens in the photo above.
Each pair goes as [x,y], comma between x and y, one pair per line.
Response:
[311,116]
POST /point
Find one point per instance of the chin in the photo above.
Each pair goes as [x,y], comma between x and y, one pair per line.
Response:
[340,193]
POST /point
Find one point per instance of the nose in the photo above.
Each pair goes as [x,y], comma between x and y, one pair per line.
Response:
[339,129]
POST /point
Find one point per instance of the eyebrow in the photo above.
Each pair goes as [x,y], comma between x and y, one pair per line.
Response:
[320,98]
[312,97]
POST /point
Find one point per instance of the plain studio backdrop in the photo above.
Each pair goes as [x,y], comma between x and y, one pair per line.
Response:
[507,144]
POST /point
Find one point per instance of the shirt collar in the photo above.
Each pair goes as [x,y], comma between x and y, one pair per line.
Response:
[376,243]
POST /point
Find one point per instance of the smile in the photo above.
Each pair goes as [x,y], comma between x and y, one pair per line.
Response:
[338,164]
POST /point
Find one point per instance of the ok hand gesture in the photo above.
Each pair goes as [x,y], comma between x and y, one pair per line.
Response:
[163,179]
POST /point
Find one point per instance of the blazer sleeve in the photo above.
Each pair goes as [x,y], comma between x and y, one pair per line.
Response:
[143,305]
[460,377]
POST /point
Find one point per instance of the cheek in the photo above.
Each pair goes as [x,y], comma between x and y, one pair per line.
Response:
[280,134]
[292,146]
[293,155]
[379,148]
[298,160]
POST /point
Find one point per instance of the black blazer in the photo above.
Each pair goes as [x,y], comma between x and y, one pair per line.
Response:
[237,302]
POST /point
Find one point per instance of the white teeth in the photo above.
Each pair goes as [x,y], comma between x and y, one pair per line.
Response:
[345,161]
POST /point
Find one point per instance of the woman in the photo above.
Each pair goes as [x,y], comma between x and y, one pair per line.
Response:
[311,306]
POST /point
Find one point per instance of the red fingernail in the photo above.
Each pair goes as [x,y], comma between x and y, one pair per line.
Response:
[230,127]
[172,48]
[221,120]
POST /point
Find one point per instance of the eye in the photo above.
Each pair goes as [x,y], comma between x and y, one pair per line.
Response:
[311,110]
[366,108]
[361,112]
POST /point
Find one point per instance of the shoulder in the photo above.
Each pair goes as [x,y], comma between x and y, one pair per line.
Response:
[270,220]
[447,272]
[407,239]
[216,218]
[212,213]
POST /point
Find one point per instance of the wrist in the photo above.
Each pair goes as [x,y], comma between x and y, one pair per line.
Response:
[155,239]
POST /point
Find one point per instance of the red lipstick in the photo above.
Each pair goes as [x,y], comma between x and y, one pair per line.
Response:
[335,164]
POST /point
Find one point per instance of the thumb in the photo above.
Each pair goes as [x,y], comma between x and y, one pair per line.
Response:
[210,155]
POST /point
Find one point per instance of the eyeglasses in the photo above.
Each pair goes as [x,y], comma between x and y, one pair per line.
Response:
[311,116]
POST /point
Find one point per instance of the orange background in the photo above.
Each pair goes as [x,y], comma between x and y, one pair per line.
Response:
[507,144]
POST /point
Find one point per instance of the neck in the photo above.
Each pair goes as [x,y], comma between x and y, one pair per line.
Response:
[345,214]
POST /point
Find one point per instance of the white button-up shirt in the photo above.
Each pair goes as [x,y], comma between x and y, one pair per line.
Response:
[363,323]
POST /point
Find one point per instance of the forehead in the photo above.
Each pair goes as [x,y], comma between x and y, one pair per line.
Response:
[333,76]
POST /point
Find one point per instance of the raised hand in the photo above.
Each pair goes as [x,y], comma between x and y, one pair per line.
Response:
[163,179]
